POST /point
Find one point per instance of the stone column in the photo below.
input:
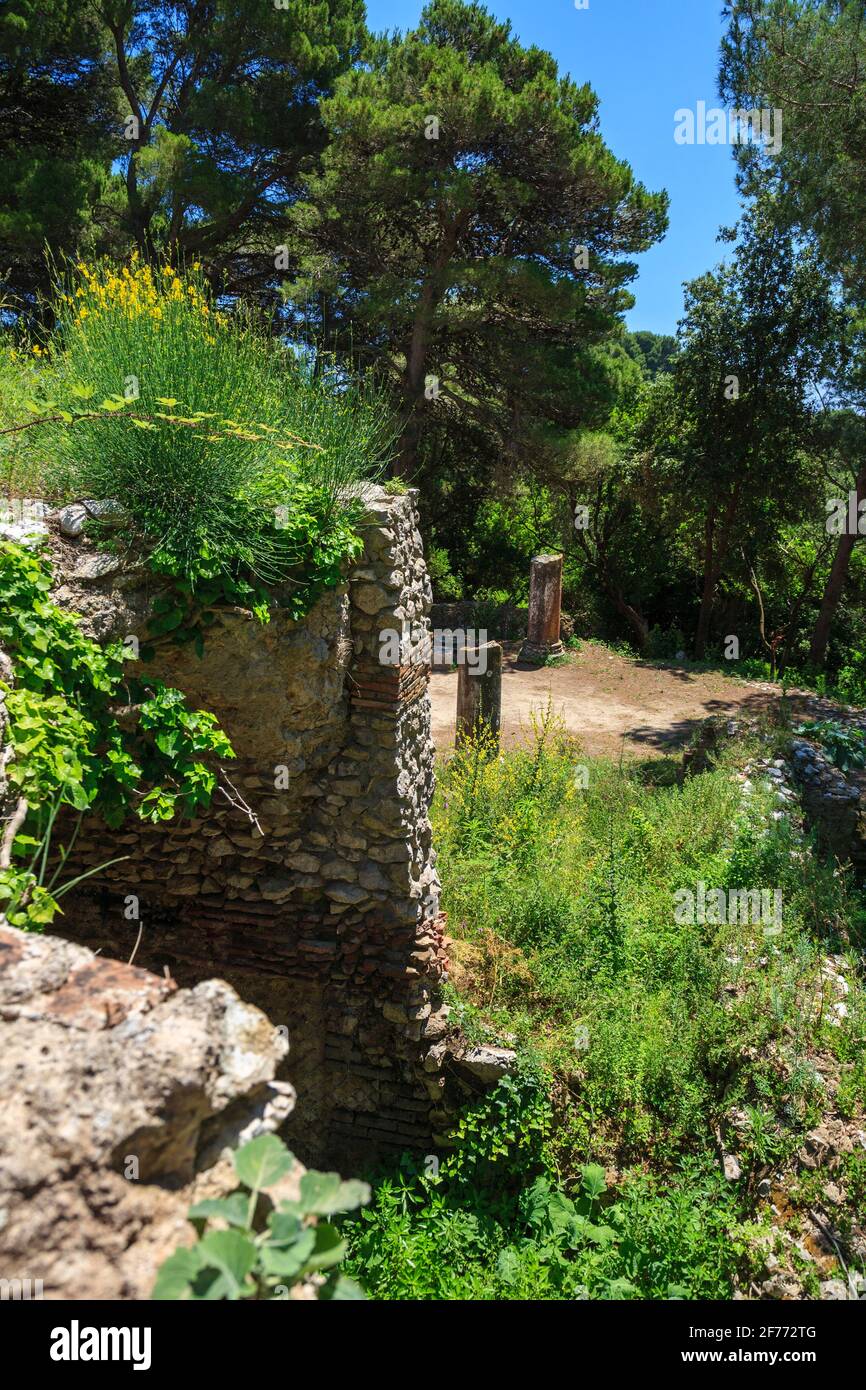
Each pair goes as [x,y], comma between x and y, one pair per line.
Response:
[545,602]
[479,690]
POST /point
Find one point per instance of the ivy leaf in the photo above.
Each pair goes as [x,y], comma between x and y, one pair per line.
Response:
[323,1194]
[284,1224]
[287,1261]
[599,1235]
[593,1180]
[330,1247]
[622,1289]
[165,622]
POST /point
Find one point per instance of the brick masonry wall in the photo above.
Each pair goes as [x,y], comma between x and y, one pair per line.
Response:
[324,911]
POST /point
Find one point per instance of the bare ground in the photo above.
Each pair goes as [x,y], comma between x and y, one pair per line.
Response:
[612,703]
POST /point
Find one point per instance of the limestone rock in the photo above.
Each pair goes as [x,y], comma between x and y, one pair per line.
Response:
[122,1095]
[488,1064]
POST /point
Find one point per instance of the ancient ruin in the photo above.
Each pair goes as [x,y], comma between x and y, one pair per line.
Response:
[310,885]
[545,604]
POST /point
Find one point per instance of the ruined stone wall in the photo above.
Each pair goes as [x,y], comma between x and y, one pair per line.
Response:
[320,903]
[834,804]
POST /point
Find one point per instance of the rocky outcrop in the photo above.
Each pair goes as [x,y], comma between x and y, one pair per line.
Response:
[122,1096]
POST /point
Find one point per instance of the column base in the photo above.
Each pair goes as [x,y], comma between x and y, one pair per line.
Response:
[537,654]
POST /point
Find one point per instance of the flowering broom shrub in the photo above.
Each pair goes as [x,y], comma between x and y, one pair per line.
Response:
[229,455]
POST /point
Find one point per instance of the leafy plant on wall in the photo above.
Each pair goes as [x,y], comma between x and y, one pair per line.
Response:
[81,733]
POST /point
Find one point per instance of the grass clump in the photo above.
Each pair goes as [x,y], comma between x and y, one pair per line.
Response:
[20,470]
[660,1040]
[229,455]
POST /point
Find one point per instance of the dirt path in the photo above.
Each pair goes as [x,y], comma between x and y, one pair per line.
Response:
[609,702]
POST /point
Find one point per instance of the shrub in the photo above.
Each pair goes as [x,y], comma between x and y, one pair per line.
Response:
[257,1255]
[228,454]
[20,468]
[845,746]
[69,747]
[648,1034]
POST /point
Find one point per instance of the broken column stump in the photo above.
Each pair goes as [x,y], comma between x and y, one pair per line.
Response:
[545,603]
[479,691]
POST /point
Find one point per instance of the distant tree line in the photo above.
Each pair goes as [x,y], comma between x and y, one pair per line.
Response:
[438,210]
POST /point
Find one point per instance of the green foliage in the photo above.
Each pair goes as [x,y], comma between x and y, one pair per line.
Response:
[806,57]
[664,646]
[845,745]
[654,352]
[261,1249]
[30,896]
[645,1031]
[232,461]
[83,733]
[225,97]
[849,682]
[502,1136]
[24,901]
[423,1238]
[407,239]
[58,132]
[20,470]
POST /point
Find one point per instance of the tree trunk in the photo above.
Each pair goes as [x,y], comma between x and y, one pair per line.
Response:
[834,586]
[635,619]
[414,379]
[714,559]
[710,579]
[414,376]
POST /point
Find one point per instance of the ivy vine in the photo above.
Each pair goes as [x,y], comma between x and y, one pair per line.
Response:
[82,733]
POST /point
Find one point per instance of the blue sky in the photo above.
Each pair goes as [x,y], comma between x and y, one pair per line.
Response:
[645,59]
